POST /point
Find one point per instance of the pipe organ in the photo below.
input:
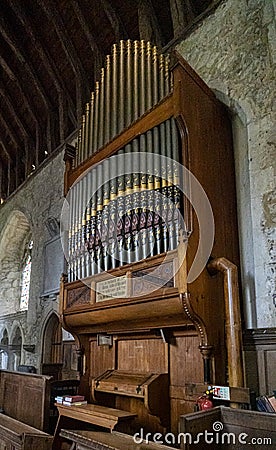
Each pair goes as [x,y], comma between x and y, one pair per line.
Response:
[132,233]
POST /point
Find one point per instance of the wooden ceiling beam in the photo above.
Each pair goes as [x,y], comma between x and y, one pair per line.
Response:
[82,84]
[149,28]
[10,131]
[97,53]
[10,105]
[25,62]
[4,150]
[47,61]
[182,14]
[30,139]
[114,20]
[14,78]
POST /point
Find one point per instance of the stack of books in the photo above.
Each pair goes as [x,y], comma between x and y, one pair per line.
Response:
[266,404]
[71,400]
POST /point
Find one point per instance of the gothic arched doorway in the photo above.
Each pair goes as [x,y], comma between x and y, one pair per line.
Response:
[59,357]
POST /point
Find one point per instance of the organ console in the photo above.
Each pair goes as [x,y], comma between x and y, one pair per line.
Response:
[150,200]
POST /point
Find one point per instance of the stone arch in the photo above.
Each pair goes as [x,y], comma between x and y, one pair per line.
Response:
[4,336]
[51,360]
[13,241]
[15,347]
[241,115]
[4,349]
[16,330]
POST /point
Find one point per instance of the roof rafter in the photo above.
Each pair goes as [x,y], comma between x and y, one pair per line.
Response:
[11,108]
[4,150]
[69,50]
[114,20]
[10,131]
[98,55]
[148,23]
[182,14]
[20,55]
[47,61]
[14,78]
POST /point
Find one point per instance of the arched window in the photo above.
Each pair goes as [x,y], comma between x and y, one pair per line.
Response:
[26,276]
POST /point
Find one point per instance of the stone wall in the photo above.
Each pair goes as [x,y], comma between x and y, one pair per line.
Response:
[234,51]
[24,215]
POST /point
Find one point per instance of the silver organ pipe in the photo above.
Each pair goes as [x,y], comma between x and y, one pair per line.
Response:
[122,209]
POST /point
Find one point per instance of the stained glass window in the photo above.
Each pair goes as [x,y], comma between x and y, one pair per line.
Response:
[26,277]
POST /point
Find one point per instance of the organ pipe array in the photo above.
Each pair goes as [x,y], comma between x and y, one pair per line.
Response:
[125,208]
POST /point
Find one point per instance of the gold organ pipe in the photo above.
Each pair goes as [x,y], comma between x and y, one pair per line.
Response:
[114,92]
[96,117]
[167,75]
[82,139]
[129,84]
[142,88]
[155,74]
[79,148]
[91,124]
[149,93]
[107,101]
[86,131]
[136,81]
[161,77]
[101,112]
[121,109]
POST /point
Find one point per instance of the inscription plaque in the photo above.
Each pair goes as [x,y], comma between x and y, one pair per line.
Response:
[115,287]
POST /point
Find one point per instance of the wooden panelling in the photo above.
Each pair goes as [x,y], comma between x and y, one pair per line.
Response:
[26,397]
[144,419]
[185,360]
[103,358]
[143,355]
[260,360]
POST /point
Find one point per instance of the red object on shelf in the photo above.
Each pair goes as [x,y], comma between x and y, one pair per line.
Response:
[204,403]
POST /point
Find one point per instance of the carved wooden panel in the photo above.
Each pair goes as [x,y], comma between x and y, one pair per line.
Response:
[78,296]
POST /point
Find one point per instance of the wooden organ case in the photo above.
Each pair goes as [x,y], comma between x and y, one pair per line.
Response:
[147,334]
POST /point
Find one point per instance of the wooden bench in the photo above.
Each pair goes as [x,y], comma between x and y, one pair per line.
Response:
[24,403]
[226,426]
[100,440]
[26,397]
[97,415]
[15,435]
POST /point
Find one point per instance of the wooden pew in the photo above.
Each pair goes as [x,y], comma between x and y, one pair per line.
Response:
[26,397]
[24,404]
[229,428]
[101,440]
[15,435]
